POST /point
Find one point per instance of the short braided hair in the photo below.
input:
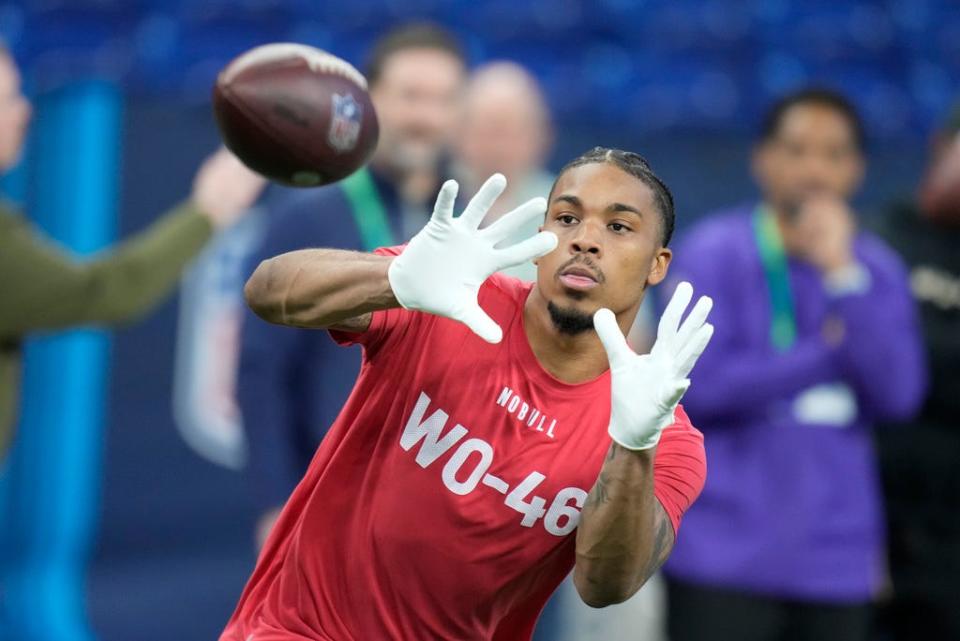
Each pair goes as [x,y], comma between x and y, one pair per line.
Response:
[637,166]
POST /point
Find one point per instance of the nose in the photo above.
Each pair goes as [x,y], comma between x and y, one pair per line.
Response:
[817,170]
[586,240]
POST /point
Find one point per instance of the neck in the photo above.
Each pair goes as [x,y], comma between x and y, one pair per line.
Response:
[785,226]
[570,358]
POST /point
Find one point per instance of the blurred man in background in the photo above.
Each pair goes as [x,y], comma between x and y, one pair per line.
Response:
[292,383]
[921,465]
[45,288]
[816,342]
[506,129]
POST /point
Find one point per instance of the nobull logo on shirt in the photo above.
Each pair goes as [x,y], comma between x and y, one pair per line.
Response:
[524,412]
[468,466]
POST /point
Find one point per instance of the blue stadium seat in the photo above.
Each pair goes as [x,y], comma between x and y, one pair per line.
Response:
[657,64]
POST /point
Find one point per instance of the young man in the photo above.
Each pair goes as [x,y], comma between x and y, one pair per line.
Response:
[818,343]
[291,384]
[443,502]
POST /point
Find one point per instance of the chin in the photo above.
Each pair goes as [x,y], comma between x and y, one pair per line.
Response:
[570,319]
[573,296]
[576,302]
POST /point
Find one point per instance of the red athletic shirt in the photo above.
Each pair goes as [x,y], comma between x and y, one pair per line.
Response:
[442,503]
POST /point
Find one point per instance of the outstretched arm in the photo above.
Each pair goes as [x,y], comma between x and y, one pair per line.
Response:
[51,289]
[321,288]
[881,354]
[439,272]
[624,534]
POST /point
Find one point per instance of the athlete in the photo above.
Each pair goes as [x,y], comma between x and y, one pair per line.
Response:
[500,433]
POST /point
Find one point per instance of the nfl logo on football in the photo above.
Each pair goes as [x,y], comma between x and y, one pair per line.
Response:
[344,123]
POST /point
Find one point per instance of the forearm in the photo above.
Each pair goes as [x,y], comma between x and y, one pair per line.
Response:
[145,268]
[320,288]
[881,356]
[47,288]
[624,535]
[734,384]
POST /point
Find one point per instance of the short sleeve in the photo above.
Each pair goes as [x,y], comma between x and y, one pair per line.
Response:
[680,468]
[383,323]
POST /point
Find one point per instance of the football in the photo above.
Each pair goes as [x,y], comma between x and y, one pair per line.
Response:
[296,114]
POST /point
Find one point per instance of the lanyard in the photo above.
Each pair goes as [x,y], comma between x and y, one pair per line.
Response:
[368,211]
[783,324]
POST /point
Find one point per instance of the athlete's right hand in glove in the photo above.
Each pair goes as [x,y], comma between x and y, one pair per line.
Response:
[441,269]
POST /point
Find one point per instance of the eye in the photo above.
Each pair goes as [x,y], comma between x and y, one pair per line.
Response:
[838,153]
[618,228]
[566,219]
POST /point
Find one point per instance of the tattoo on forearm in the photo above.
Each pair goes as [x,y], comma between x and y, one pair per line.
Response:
[612,451]
[662,542]
[599,494]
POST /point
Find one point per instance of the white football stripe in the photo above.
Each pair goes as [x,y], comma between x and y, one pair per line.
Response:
[317,60]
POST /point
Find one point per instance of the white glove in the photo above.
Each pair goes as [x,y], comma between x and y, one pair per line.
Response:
[443,266]
[646,389]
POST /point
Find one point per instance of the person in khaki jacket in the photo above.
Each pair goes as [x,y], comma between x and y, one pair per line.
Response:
[43,287]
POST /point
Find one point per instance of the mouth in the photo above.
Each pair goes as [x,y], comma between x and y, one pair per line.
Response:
[578,278]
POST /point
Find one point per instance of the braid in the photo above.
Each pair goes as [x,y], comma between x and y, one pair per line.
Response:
[637,166]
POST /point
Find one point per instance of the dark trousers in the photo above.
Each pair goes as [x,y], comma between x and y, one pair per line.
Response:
[698,613]
[906,619]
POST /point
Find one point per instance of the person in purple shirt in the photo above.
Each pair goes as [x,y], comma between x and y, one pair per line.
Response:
[816,341]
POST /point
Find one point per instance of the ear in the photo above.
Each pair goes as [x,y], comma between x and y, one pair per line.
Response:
[659,265]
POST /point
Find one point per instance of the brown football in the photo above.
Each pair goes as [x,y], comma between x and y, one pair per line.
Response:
[296,114]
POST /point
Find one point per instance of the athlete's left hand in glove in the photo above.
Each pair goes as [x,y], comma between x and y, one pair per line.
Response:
[646,389]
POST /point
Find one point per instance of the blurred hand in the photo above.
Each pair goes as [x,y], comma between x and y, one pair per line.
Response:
[224,188]
[824,233]
[265,525]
